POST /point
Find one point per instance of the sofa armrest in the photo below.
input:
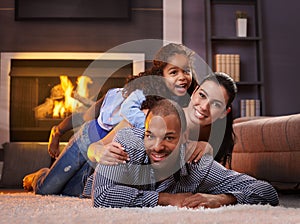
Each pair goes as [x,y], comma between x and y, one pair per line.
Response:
[269,148]
[244,119]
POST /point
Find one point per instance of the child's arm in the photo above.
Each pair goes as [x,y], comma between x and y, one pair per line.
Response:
[131,109]
[133,116]
[70,122]
[97,151]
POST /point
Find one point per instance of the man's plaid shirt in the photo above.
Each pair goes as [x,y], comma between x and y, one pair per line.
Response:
[133,184]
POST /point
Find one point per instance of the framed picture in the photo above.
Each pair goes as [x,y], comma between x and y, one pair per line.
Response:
[72,9]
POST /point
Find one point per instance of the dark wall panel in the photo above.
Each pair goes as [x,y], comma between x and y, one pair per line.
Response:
[194,26]
[280,33]
[91,35]
[7,4]
[281,51]
[147,4]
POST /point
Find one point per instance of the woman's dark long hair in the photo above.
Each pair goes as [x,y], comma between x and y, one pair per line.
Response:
[224,153]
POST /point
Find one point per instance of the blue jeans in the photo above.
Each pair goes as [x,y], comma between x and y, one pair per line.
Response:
[70,171]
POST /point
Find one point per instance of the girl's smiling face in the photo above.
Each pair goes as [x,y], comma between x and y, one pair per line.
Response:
[178,74]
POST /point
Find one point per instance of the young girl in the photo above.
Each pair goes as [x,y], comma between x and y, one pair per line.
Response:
[69,172]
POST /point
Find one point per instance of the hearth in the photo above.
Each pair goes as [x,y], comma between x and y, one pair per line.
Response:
[28,81]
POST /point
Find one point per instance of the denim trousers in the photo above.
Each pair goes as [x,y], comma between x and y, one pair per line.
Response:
[68,174]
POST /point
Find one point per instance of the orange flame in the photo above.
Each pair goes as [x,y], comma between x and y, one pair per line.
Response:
[82,86]
[69,105]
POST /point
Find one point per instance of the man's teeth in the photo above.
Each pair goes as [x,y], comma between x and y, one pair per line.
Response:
[159,156]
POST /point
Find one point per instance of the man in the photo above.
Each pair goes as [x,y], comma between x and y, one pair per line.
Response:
[158,175]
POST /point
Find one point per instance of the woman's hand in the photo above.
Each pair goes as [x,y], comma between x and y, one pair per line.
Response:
[195,150]
[208,200]
[110,154]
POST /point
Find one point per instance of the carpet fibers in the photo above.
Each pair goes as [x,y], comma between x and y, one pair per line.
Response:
[21,207]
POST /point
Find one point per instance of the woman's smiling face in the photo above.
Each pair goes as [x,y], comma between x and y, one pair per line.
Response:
[208,103]
[178,74]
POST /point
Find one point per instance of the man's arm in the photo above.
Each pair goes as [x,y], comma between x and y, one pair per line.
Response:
[115,186]
[166,199]
[195,200]
[217,180]
[209,200]
[112,188]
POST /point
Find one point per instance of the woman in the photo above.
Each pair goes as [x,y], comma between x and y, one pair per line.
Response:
[209,114]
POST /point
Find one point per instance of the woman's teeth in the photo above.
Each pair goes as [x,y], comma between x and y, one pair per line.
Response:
[199,115]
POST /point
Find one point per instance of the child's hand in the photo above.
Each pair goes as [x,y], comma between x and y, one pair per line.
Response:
[110,154]
[53,144]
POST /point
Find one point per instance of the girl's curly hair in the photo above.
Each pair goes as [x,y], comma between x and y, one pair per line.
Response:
[148,82]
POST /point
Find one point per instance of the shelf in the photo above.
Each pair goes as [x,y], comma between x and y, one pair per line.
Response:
[233,2]
[222,40]
[249,83]
[233,38]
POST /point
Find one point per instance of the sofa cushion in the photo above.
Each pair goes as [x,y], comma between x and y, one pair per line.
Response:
[20,159]
[269,149]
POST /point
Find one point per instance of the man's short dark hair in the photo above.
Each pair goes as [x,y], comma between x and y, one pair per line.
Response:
[166,107]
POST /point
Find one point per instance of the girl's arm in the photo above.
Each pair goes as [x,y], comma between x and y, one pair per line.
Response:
[133,116]
[100,153]
[70,122]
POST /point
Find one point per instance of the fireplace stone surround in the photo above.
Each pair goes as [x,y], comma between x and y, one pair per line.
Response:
[136,60]
[17,159]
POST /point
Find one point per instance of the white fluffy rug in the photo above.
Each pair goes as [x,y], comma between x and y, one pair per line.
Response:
[30,208]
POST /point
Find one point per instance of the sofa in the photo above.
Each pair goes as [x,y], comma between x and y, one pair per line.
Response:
[268,148]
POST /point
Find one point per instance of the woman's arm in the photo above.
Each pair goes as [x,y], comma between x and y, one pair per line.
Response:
[195,150]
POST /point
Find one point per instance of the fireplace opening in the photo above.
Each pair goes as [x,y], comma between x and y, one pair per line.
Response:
[33,83]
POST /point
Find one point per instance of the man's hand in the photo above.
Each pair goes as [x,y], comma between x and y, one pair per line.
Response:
[195,150]
[172,199]
[110,154]
[208,200]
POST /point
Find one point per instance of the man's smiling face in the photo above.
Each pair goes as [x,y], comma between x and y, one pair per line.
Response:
[162,137]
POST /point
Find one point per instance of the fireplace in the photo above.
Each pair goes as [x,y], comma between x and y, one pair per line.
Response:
[27,80]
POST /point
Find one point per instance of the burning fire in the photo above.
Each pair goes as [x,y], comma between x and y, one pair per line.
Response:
[64,99]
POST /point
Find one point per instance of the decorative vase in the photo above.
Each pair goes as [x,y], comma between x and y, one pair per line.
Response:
[241,27]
